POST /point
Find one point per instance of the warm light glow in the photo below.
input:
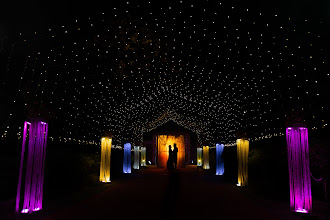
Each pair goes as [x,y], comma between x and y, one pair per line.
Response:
[105,160]
[219,168]
[299,172]
[143,156]
[163,142]
[136,164]
[35,166]
[199,157]
[206,157]
[242,158]
[127,158]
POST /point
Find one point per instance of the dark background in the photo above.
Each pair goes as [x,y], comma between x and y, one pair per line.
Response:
[35,14]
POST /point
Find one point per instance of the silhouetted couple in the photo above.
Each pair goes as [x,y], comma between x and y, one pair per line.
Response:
[172,157]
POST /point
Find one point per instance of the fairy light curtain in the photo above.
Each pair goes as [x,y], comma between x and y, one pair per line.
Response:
[242,159]
[143,156]
[163,142]
[34,167]
[199,156]
[220,168]
[206,158]
[105,160]
[127,158]
[136,164]
[299,173]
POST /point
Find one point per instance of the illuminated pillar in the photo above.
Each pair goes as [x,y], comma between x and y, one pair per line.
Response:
[220,168]
[199,156]
[143,156]
[242,158]
[105,159]
[136,164]
[299,173]
[34,167]
[206,158]
[127,158]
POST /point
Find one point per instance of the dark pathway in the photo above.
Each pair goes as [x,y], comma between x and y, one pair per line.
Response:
[152,193]
[173,194]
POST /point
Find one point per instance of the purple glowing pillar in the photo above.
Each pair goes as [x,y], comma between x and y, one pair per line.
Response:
[35,167]
[299,173]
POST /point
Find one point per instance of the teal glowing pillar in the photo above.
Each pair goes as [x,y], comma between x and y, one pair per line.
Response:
[34,167]
[299,173]
[136,164]
[127,158]
[220,168]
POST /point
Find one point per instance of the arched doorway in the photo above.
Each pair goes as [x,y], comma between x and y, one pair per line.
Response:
[163,142]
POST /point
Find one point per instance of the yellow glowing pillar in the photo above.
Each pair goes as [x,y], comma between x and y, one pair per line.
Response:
[143,156]
[206,158]
[242,158]
[105,159]
[199,157]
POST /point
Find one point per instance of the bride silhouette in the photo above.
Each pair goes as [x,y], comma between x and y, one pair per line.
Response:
[170,158]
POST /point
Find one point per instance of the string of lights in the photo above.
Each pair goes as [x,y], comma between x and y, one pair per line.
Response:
[212,68]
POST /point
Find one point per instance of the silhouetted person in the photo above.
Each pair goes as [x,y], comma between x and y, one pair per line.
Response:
[170,158]
[175,155]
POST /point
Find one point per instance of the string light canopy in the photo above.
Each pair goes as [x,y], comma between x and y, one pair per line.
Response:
[212,67]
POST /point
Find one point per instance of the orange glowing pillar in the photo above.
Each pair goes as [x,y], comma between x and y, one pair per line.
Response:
[242,158]
[206,157]
[105,159]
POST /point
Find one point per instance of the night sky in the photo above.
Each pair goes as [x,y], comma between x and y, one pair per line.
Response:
[214,68]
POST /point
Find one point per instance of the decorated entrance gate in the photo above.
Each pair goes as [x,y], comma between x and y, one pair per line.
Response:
[163,142]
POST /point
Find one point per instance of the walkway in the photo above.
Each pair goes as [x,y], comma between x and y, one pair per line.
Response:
[152,193]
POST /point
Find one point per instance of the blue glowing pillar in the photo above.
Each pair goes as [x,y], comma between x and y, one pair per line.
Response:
[127,158]
[220,168]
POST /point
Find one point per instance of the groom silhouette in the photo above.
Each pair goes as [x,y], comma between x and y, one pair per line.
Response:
[175,155]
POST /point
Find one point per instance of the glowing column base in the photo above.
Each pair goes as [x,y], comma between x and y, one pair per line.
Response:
[299,173]
[242,158]
[105,160]
[35,166]
[206,158]
[220,168]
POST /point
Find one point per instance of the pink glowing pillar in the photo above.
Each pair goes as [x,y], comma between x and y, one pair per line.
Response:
[299,173]
[35,167]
